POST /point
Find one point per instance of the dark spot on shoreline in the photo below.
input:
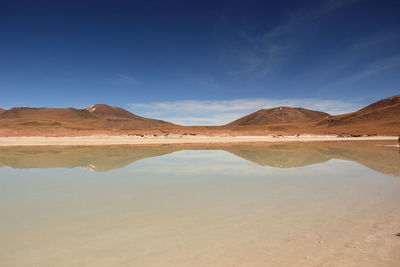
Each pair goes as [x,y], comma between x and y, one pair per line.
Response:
[398,234]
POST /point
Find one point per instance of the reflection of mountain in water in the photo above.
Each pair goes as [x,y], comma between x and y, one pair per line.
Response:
[384,159]
[381,158]
[96,158]
[280,156]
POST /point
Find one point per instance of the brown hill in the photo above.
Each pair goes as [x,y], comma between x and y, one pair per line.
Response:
[279,115]
[381,115]
[97,117]
[387,102]
[2,110]
[46,114]
[108,112]
[379,118]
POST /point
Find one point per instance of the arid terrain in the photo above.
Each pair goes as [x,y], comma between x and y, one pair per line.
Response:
[379,118]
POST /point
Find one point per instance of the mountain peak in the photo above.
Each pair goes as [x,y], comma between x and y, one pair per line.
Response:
[98,106]
[111,113]
[278,115]
[108,112]
[386,102]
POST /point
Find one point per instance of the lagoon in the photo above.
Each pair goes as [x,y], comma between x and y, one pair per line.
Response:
[314,204]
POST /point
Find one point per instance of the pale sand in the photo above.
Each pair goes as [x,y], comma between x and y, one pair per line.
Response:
[171,139]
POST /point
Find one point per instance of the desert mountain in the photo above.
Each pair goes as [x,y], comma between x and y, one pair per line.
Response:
[108,112]
[46,114]
[96,117]
[381,104]
[381,117]
[279,115]
[383,114]
[2,110]
[387,109]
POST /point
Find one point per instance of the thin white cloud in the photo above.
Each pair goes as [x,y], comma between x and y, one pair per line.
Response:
[372,41]
[218,112]
[338,71]
[369,70]
[298,19]
[126,78]
[211,119]
[268,52]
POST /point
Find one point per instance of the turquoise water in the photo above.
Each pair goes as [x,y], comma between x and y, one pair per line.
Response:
[333,204]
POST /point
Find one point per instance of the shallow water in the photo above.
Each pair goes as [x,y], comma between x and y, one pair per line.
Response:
[326,204]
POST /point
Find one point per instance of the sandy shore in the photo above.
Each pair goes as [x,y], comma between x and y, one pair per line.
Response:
[172,139]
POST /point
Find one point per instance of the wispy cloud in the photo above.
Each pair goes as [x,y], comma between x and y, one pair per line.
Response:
[204,81]
[263,55]
[369,70]
[127,78]
[356,61]
[268,51]
[301,17]
[218,112]
[370,42]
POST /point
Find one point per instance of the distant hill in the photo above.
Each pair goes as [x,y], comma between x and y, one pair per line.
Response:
[379,115]
[382,104]
[2,110]
[96,117]
[279,115]
[46,114]
[103,111]
[108,112]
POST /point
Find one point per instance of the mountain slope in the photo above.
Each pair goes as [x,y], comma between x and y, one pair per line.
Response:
[2,110]
[379,118]
[47,114]
[107,112]
[383,112]
[111,113]
[384,103]
[279,115]
[97,117]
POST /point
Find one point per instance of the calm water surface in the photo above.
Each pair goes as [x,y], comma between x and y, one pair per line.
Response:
[320,204]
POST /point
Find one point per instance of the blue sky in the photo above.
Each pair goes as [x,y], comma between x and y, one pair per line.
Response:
[199,62]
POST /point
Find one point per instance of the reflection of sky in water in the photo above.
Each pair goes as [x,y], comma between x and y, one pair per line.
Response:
[218,163]
[198,208]
[376,156]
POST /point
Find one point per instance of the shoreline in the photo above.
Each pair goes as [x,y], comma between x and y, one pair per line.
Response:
[100,140]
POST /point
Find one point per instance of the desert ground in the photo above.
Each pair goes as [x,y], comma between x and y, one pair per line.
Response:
[174,139]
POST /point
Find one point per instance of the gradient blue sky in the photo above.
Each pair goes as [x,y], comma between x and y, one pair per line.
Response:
[199,62]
